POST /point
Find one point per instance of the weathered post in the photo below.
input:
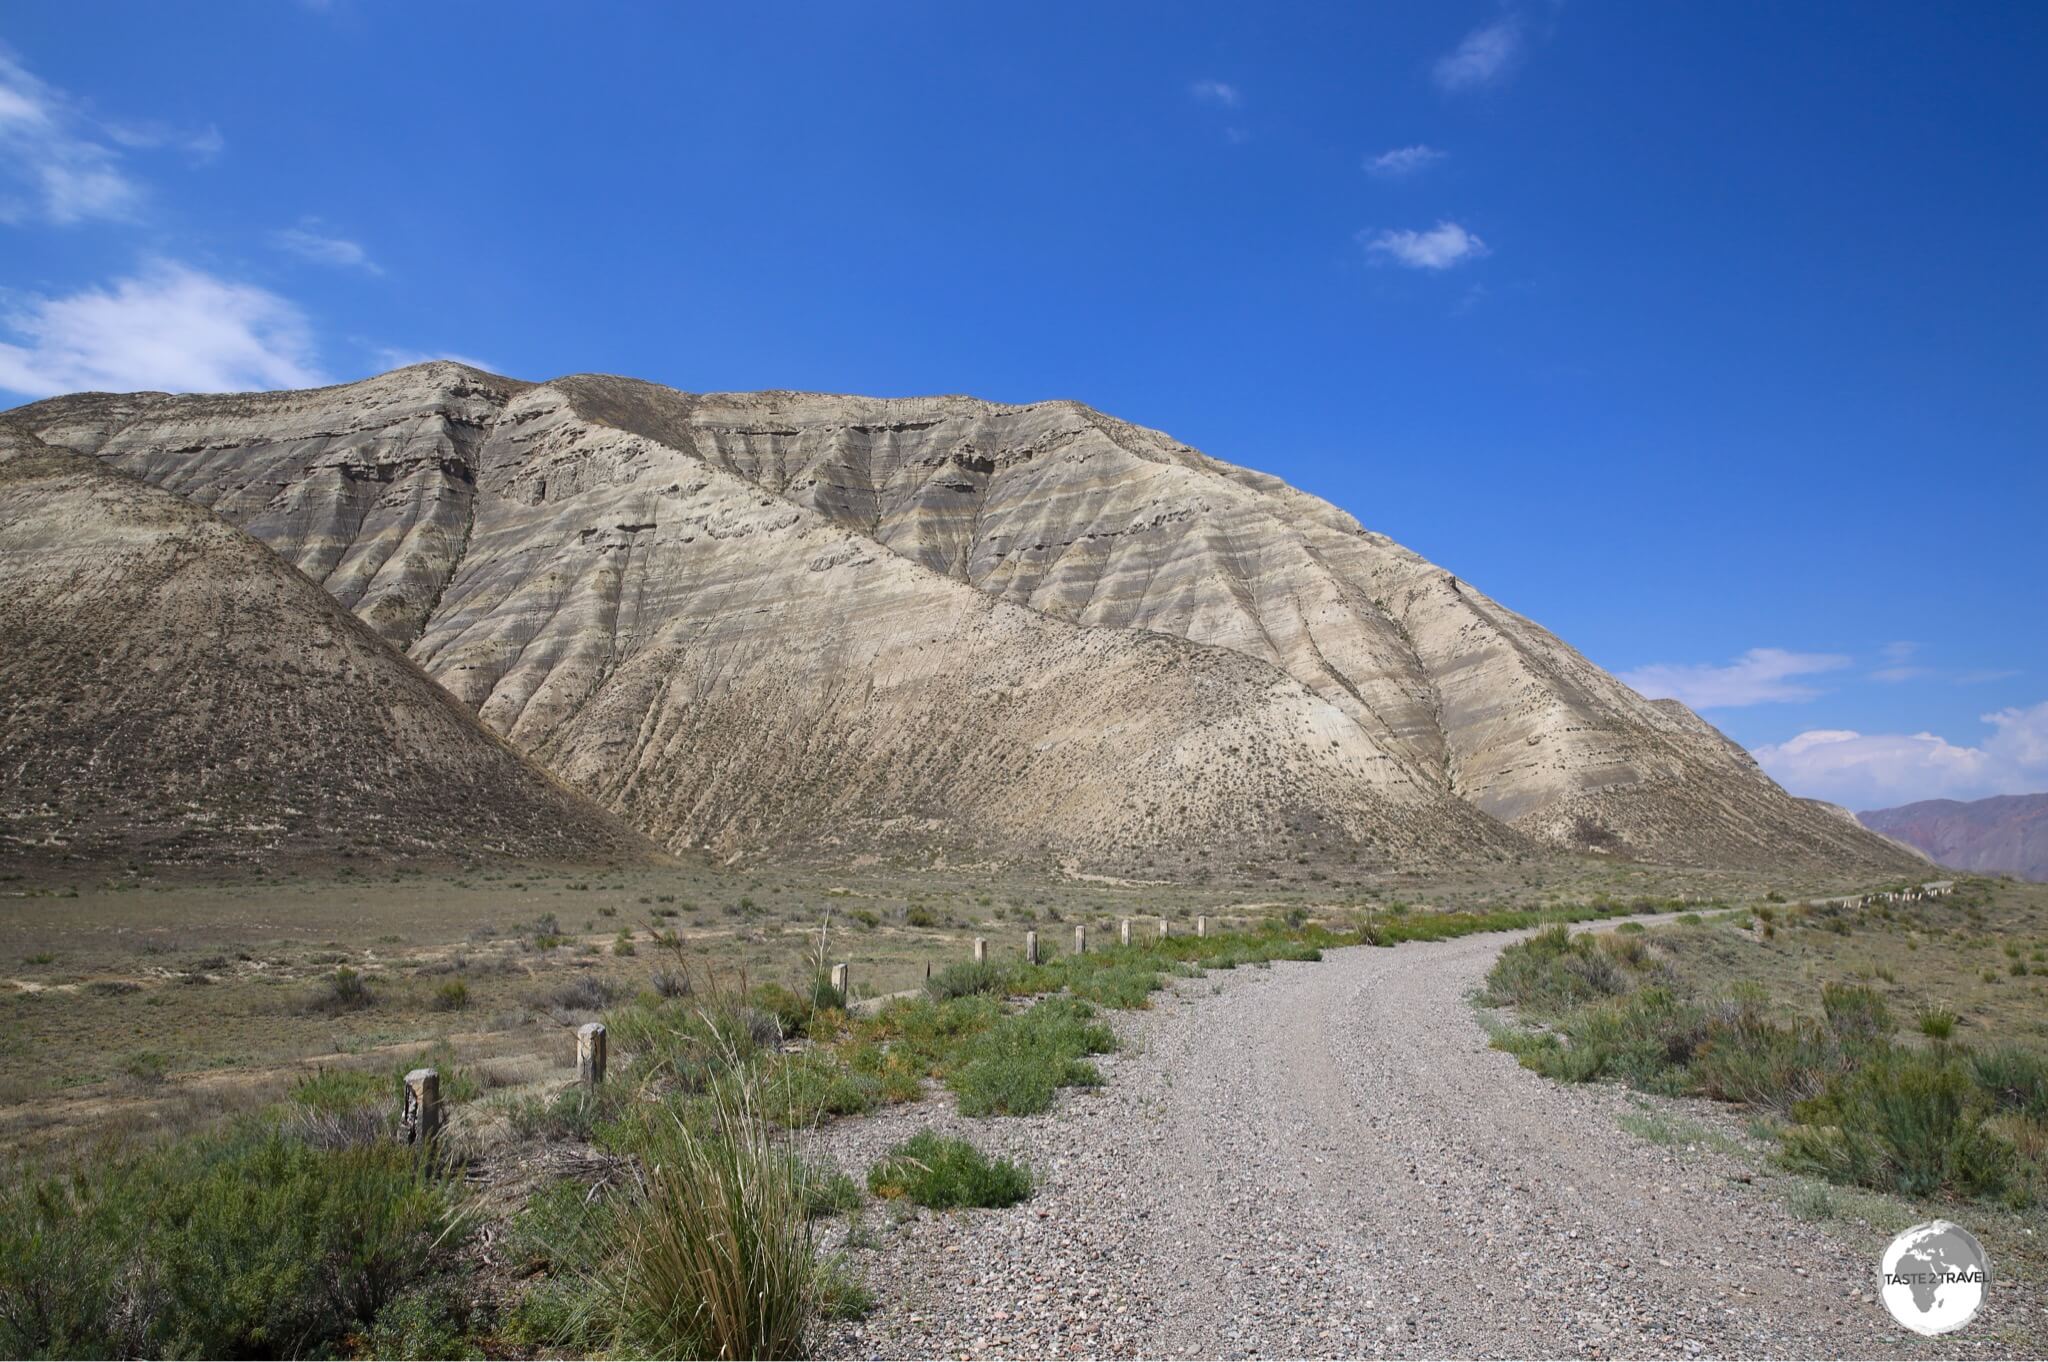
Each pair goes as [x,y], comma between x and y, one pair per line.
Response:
[840,981]
[1201,926]
[1080,939]
[590,1054]
[419,1113]
[980,950]
[1124,931]
[1031,948]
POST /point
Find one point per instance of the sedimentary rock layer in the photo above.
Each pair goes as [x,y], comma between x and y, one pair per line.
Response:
[170,691]
[747,619]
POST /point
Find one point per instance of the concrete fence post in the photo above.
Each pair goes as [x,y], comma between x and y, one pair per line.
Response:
[1201,926]
[1124,931]
[842,981]
[590,1054]
[980,950]
[1031,948]
[1080,939]
[419,1113]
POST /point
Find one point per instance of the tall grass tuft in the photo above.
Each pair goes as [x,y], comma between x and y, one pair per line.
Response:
[721,1254]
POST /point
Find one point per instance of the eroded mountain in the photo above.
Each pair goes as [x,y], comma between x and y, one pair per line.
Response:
[771,619]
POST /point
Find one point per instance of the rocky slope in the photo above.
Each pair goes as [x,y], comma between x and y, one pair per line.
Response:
[757,619]
[2003,835]
[171,692]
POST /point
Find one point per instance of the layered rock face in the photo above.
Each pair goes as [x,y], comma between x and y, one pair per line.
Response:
[761,619]
[171,692]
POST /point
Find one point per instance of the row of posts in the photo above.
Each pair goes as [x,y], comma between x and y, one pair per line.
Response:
[421,1116]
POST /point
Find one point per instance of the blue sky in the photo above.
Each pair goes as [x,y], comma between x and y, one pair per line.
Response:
[1713,336]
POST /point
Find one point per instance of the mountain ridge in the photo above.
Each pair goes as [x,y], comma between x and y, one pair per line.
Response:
[529,544]
[2003,834]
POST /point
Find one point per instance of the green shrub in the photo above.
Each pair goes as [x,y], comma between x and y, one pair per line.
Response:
[452,996]
[344,991]
[942,1173]
[1854,1012]
[239,1243]
[2014,1079]
[1014,1066]
[965,977]
[1905,1123]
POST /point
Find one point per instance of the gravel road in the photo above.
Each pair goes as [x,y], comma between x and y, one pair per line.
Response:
[1327,1159]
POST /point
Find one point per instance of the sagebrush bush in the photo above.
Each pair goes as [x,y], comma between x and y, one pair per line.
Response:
[1014,1067]
[942,1173]
[966,977]
[1905,1123]
[242,1242]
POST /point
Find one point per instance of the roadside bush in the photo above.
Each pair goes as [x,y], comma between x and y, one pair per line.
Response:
[941,1173]
[1554,971]
[1855,1013]
[239,1243]
[1015,1066]
[2014,1079]
[967,977]
[1911,1124]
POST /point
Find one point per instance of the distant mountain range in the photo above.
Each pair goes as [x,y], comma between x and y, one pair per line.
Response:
[593,609]
[2006,834]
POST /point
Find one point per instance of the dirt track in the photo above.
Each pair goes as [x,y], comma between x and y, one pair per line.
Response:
[1328,1159]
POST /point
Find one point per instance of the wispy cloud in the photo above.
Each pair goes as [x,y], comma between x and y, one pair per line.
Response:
[1483,58]
[1401,161]
[59,164]
[1759,676]
[311,240]
[1439,248]
[53,168]
[168,327]
[1217,92]
[1874,770]
[1898,663]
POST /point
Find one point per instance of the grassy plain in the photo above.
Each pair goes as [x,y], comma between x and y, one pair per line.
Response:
[134,1001]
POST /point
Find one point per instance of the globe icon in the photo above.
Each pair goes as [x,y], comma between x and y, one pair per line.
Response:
[1934,1276]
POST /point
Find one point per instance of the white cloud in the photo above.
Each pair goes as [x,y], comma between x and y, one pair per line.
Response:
[1439,248]
[1403,161]
[1867,771]
[52,166]
[311,241]
[1217,92]
[390,357]
[1759,676]
[169,327]
[1482,58]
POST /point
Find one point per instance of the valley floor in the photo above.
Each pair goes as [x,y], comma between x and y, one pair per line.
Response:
[1327,1159]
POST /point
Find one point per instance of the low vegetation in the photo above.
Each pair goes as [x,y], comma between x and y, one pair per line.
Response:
[669,1212]
[1849,1094]
[943,1173]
